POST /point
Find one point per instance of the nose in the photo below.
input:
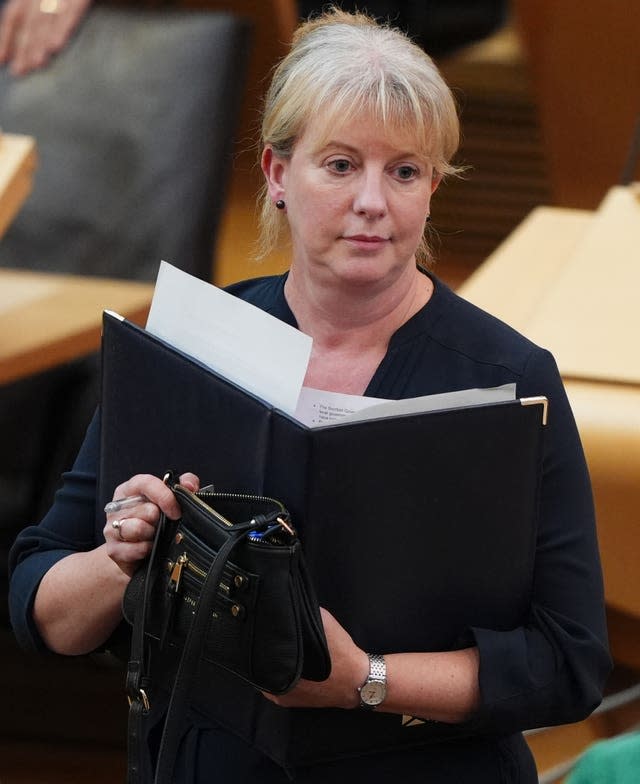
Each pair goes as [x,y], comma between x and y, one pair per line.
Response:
[370,199]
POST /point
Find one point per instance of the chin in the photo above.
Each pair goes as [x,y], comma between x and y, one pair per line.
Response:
[362,276]
[365,271]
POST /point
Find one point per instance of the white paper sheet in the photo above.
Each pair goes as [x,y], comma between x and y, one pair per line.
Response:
[318,408]
[241,342]
[269,358]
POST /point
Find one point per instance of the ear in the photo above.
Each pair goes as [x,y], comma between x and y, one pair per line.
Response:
[274,170]
[436,179]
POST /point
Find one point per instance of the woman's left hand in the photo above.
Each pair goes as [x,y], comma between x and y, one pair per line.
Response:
[349,670]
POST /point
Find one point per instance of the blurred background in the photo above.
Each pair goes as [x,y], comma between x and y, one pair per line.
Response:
[137,141]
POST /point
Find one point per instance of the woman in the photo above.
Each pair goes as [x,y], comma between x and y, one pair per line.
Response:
[358,131]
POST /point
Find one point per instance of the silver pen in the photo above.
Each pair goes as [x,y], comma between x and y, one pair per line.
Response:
[124,503]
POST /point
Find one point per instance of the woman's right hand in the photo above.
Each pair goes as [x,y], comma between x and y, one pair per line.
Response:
[129,533]
[33,31]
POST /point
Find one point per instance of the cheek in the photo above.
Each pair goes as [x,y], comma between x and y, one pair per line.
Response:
[411,208]
[310,225]
[321,214]
[414,220]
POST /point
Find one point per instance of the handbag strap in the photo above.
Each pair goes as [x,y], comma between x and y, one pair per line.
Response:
[139,686]
[179,701]
[138,683]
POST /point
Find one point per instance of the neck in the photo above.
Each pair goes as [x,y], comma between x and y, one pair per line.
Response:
[358,315]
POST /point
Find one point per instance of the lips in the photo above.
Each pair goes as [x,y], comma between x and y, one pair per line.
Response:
[364,243]
[366,238]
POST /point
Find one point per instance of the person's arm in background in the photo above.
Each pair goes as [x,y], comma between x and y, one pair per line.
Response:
[33,31]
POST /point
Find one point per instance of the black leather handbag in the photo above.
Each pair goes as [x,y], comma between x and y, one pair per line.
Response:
[226,586]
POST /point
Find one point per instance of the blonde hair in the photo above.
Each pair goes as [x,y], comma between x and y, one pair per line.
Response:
[340,66]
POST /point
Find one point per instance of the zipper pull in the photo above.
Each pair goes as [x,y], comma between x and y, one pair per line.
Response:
[286,525]
[176,573]
[172,592]
[272,534]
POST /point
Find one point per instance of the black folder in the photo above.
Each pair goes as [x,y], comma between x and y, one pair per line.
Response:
[415,527]
[421,516]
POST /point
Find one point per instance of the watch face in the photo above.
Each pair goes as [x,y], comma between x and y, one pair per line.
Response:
[373,692]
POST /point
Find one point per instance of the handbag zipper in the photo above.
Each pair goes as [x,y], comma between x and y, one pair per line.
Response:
[176,573]
[242,496]
[195,569]
[184,562]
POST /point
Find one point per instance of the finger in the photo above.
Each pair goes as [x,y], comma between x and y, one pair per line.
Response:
[132,530]
[10,23]
[190,481]
[33,49]
[129,542]
[154,489]
[29,60]
[66,23]
[129,557]
[127,530]
[26,50]
[55,35]
[145,510]
[45,34]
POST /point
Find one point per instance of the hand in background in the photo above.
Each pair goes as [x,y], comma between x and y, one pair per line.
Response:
[32,31]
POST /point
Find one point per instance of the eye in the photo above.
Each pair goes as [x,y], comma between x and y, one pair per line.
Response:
[406,172]
[340,165]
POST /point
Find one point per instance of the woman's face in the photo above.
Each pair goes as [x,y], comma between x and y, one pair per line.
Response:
[356,203]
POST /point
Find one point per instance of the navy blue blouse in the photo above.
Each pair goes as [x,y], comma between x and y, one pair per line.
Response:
[550,671]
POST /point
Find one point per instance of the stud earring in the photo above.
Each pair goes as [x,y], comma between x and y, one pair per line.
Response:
[280,204]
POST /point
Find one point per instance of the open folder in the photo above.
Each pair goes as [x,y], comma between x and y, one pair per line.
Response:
[415,527]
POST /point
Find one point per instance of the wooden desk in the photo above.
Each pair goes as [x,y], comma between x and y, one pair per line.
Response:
[17,166]
[569,279]
[48,319]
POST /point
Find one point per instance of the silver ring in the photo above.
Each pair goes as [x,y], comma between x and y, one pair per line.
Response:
[50,6]
[117,525]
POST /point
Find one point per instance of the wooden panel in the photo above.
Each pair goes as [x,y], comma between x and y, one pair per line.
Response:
[585,64]
[557,745]
[17,165]
[516,277]
[548,280]
[590,316]
[624,635]
[501,146]
[608,416]
[48,319]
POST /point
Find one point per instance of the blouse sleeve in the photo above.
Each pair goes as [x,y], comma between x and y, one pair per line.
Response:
[552,670]
[68,527]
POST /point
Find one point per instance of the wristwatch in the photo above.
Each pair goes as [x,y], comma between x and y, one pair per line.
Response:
[374,689]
